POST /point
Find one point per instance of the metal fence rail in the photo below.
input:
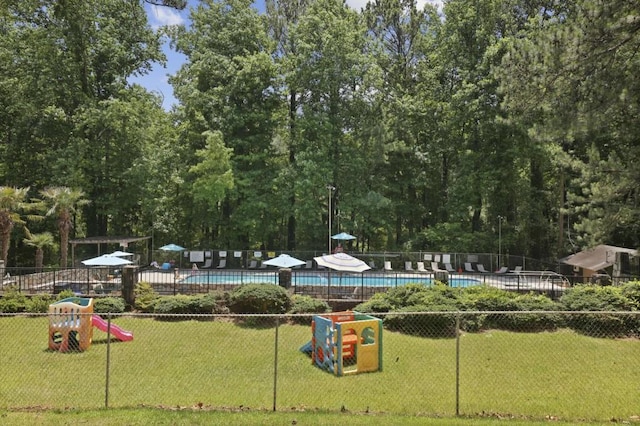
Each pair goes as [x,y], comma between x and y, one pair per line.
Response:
[319,283]
[453,363]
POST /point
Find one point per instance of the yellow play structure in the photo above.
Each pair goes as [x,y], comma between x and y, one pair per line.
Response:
[346,343]
[70,326]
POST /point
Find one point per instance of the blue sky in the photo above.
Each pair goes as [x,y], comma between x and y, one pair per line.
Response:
[157,80]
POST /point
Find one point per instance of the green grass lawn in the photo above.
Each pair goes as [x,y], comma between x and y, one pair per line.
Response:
[218,364]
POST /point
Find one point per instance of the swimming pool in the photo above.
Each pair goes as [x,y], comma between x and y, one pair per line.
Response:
[322,279]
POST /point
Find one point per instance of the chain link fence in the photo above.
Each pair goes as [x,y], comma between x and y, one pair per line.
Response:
[568,365]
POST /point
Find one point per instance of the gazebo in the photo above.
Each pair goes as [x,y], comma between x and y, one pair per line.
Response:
[121,241]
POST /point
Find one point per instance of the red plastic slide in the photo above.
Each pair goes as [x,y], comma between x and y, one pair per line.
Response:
[116,331]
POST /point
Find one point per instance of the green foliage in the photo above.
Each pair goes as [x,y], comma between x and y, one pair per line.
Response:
[105,305]
[39,303]
[631,290]
[376,304]
[145,297]
[13,300]
[532,322]
[65,294]
[596,298]
[178,304]
[259,299]
[424,325]
[302,304]
[214,302]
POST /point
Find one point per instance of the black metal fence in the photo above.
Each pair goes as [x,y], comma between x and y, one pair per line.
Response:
[317,282]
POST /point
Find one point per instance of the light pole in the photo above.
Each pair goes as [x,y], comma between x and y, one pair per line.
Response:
[500,241]
[331,189]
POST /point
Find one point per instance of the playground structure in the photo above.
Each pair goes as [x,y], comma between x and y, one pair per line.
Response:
[71,323]
[345,343]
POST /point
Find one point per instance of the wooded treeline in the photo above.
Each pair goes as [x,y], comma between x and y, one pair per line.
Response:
[437,129]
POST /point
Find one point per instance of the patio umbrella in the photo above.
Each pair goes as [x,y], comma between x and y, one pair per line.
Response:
[172,247]
[342,262]
[284,261]
[119,253]
[106,260]
[343,236]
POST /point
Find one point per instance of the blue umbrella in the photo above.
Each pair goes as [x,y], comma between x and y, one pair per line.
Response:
[172,247]
[343,236]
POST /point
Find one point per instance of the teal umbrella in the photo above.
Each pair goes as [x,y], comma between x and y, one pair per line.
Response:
[172,247]
[343,236]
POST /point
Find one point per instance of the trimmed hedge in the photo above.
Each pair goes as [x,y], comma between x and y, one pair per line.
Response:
[259,299]
[306,305]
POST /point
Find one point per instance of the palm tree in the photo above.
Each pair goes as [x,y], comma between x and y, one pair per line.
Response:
[12,204]
[40,242]
[63,203]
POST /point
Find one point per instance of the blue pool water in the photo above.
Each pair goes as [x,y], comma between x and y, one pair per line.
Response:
[311,279]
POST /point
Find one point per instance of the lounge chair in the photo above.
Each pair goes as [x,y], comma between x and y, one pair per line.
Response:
[253,264]
[222,264]
[480,267]
[421,267]
[468,267]
[372,264]
[207,264]
[408,266]
[309,264]
[387,266]
[436,268]
[517,269]
[262,265]
[502,270]
[449,268]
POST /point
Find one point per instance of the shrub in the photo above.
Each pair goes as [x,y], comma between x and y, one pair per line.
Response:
[306,305]
[596,298]
[259,299]
[108,305]
[535,321]
[214,302]
[408,320]
[39,303]
[631,290]
[65,294]
[179,304]
[487,298]
[406,295]
[13,301]
[146,297]
[378,303]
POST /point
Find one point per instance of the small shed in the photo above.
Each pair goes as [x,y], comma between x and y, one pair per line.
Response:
[599,258]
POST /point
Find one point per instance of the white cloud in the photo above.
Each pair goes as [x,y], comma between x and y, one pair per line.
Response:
[165,16]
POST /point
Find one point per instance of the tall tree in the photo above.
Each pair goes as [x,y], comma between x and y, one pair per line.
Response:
[40,242]
[228,85]
[403,39]
[282,17]
[336,81]
[63,203]
[13,203]
[571,81]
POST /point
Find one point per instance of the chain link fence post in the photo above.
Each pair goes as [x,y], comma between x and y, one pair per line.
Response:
[108,363]
[275,365]
[458,364]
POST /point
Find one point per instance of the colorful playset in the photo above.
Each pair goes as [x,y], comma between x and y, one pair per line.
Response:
[346,343]
[71,323]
